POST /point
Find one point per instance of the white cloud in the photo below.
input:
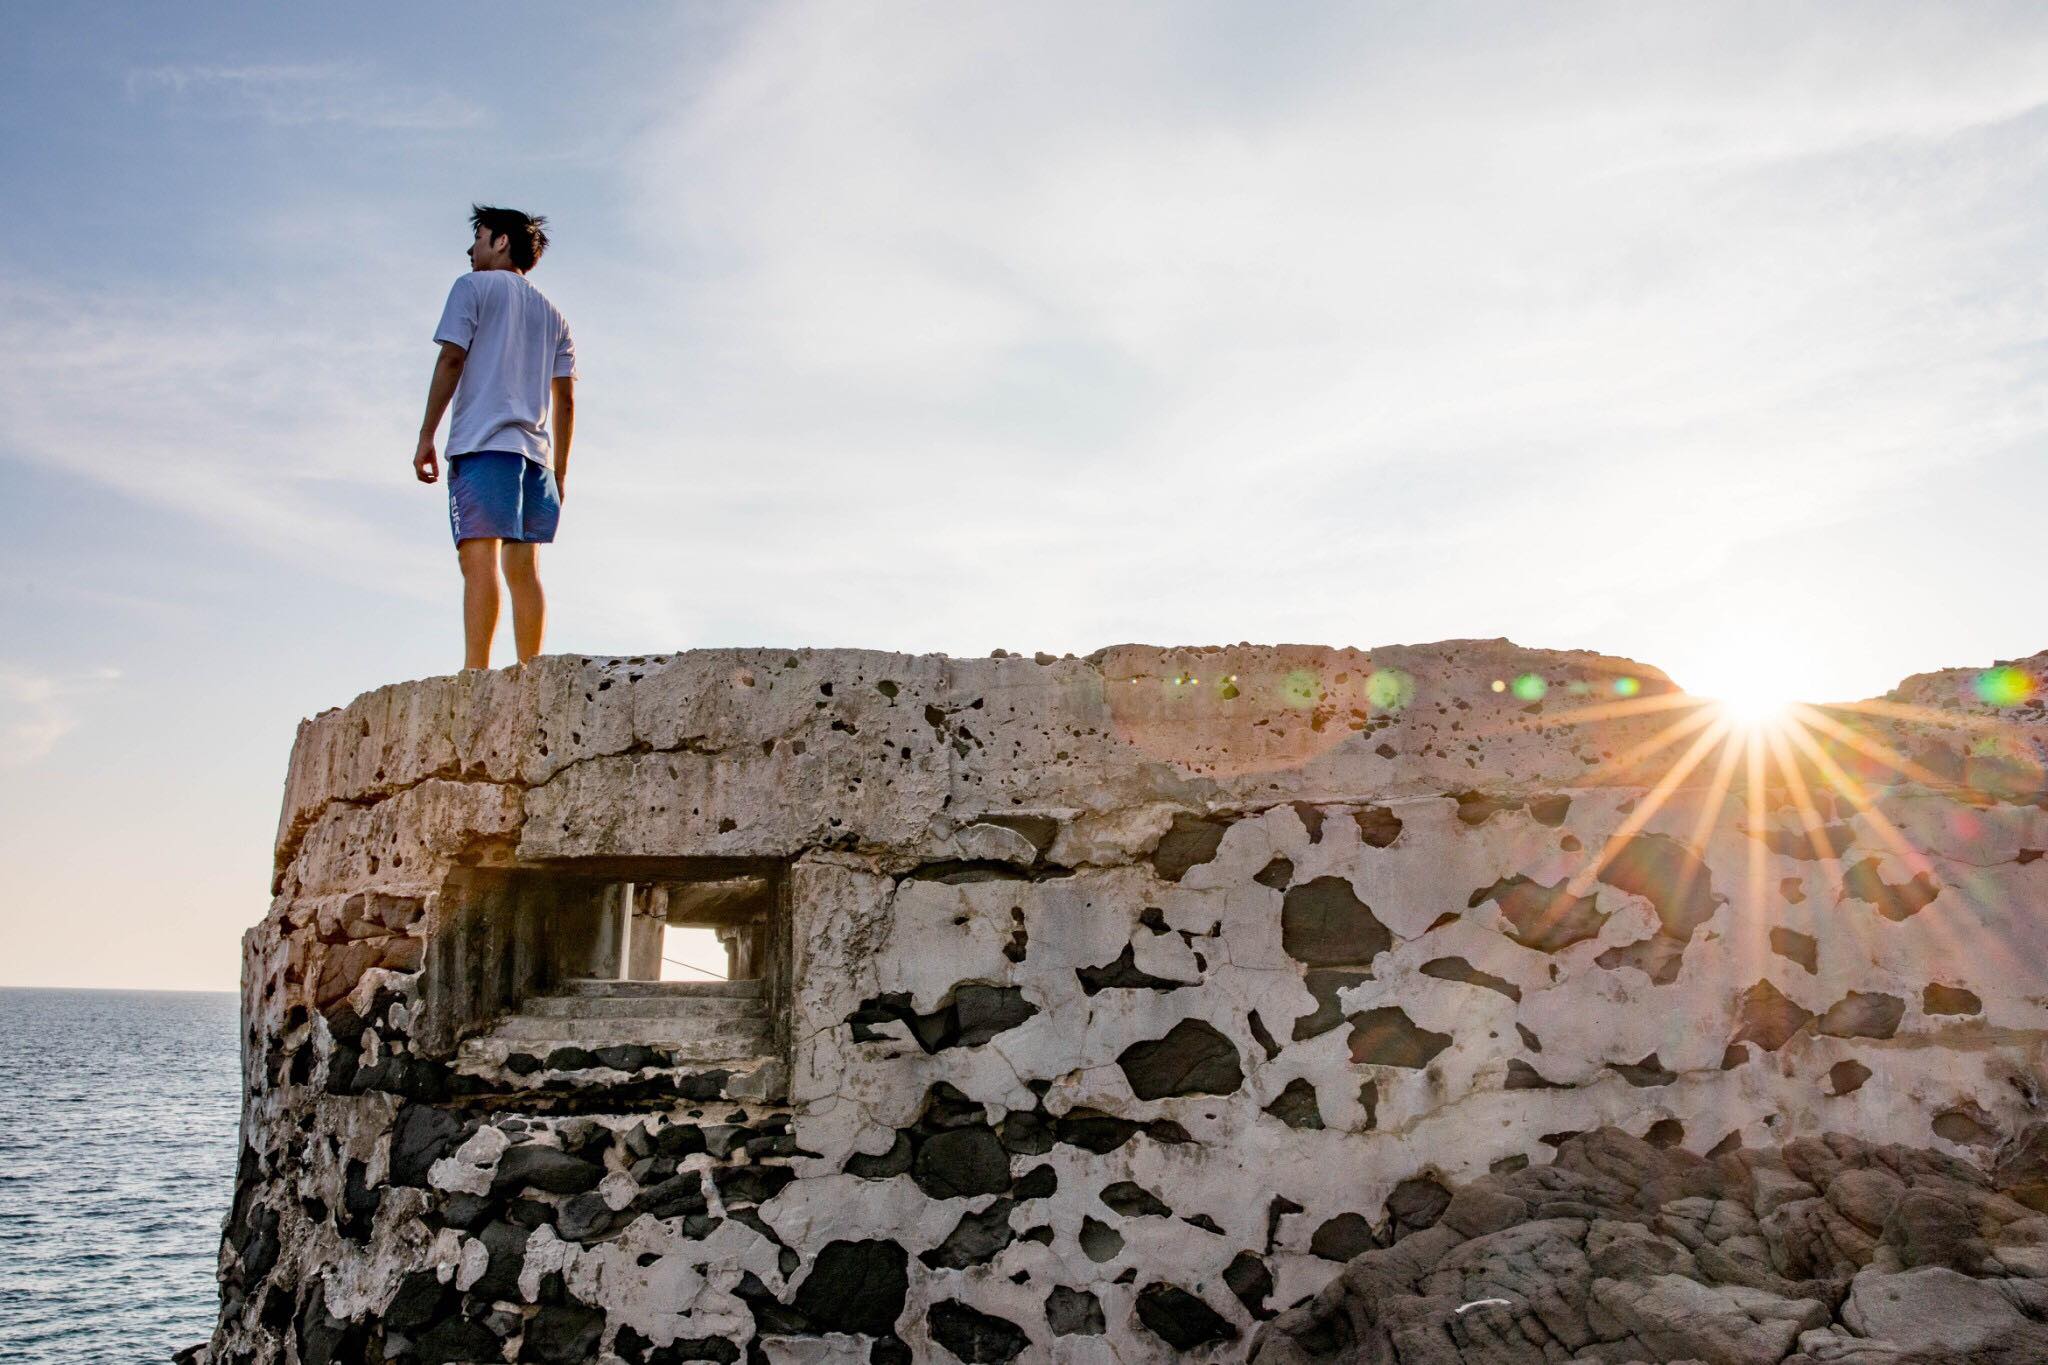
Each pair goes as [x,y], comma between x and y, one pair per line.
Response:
[303,93]
[38,709]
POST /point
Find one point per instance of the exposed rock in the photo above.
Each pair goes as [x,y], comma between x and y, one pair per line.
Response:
[1324,924]
[1863,1014]
[1194,1058]
[1796,947]
[1546,918]
[855,1287]
[1180,1319]
[1766,1017]
[1073,1312]
[1624,1251]
[1323,984]
[975,1337]
[1295,1105]
[1458,969]
[1940,999]
[1189,842]
[1388,1037]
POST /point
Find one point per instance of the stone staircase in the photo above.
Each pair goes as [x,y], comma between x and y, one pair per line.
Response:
[696,1023]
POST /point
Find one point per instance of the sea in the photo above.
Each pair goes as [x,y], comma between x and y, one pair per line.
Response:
[118,1113]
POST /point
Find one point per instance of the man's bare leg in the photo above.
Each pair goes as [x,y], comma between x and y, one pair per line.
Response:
[529,603]
[479,599]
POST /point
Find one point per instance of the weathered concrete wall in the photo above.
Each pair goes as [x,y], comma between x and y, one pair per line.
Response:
[1125,991]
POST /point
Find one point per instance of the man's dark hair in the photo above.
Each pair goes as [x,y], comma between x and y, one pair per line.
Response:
[527,232]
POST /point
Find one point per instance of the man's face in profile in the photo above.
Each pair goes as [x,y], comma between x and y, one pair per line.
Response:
[490,253]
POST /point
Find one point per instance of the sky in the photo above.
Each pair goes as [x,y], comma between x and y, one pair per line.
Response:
[1709,336]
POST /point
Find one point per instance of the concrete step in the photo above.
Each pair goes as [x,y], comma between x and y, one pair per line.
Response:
[713,1009]
[707,1038]
[660,990]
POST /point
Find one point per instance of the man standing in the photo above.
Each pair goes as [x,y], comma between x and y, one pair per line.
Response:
[506,354]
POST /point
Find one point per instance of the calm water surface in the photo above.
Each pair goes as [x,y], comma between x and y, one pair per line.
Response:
[117,1162]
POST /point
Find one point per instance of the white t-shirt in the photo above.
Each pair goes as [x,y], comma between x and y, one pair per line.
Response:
[517,343]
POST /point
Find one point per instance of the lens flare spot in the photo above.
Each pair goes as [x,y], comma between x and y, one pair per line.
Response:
[1627,687]
[1300,689]
[1389,689]
[2005,686]
[1499,686]
[1530,687]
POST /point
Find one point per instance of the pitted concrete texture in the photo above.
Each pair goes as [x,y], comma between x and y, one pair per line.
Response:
[1112,1005]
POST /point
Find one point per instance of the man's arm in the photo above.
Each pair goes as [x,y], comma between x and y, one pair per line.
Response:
[563,425]
[447,370]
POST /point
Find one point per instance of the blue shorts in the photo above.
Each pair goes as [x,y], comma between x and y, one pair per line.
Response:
[501,495]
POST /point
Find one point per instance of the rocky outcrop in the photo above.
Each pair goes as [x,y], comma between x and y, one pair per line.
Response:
[1828,1249]
[1104,1009]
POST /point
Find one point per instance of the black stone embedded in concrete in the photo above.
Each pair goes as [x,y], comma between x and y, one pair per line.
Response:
[1378,827]
[1767,1017]
[505,1253]
[759,1184]
[1194,1058]
[1249,1279]
[636,1349]
[1895,903]
[960,1163]
[1667,874]
[456,1341]
[1863,1014]
[1262,1036]
[1546,918]
[1529,1038]
[1847,1076]
[1522,1076]
[1388,1037]
[1459,970]
[1342,1237]
[1657,957]
[1275,874]
[971,1015]
[975,1337]
[1940,999]
[563,1334]
[1817,844]
[1476,808]
[1123,974]
[1295,1105]
[1645,1073]
[1133,1200]
[974,1240]
[1180,1319]
[1322,984]
[855,1287]
[1074,1313]
[1099,1241]
[678,1196]
[1189,842]
[588,1218]
[534,1165]
[422,1135]
[1324,924]
[1550,811]
[1796,947]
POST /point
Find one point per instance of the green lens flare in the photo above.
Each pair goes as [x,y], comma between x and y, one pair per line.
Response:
[2004,686]
[1530,687]
[1389,689]
[1627,687]
[1300,689]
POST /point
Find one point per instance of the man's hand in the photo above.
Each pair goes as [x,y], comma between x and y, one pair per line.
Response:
[425,463]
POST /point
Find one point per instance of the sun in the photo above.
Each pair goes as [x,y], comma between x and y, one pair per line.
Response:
[1753,707]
